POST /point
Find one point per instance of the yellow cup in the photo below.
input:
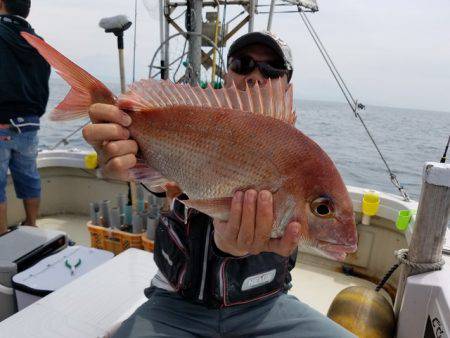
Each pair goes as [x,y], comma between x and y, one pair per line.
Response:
[91,161]
[370,203]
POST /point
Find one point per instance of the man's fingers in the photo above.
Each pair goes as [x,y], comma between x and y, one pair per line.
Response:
[231,231]
[247,230]
[99,112]
[118,167]
[119,148]
[95,134]
[285,245]
[220,227]
[264,221]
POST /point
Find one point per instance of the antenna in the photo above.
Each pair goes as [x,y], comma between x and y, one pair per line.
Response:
[117,25]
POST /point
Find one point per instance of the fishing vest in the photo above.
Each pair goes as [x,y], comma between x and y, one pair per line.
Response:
[186,255]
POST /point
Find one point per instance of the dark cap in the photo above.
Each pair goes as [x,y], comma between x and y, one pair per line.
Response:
[268,39]
[18,7]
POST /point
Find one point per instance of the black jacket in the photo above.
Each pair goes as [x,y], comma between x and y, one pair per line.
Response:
[187,257]
[24,74]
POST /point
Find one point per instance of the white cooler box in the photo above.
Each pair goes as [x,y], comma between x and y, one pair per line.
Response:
[20,249]
[55,272]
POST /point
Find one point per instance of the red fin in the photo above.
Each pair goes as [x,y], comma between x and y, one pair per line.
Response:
[216,208]
[86,89]
[143,173]
[273,99]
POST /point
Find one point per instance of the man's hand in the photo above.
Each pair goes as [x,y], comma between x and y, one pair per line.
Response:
[110,139]
[249,226]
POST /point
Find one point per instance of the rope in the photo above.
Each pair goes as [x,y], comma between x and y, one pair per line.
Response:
[305,17]
[170,64]
[352,102]
[392,176]
[179,15]
[151,66]
[181,61]
[386,277]
[235,17]
[402,257]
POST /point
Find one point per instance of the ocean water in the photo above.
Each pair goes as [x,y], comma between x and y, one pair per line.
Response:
[407,138]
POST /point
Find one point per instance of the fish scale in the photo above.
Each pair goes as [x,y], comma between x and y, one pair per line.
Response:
[199,155]
[214,142]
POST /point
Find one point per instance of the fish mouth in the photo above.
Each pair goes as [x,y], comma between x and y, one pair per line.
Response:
[337,251]
[327,246]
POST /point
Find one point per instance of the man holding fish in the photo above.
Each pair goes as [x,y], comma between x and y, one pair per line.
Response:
[253,59]
[255,187]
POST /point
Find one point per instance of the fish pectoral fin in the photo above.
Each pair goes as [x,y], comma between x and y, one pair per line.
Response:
[216,208]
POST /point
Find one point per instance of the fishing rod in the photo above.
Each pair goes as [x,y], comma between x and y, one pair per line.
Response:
[444,157]
[352,102]
[65,140]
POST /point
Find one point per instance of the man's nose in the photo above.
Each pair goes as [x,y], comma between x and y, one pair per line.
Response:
[256,77]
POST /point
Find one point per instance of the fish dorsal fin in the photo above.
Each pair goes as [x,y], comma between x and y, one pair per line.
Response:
[273,99]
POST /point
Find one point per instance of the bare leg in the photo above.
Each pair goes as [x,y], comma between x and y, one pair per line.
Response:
[3,218]
[32,210]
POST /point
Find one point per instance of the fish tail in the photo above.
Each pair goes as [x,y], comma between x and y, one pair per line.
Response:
[85,89]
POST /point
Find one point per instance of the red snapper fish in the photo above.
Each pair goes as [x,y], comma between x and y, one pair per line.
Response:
[215,142]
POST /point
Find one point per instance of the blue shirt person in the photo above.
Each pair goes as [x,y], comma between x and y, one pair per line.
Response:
[24,93]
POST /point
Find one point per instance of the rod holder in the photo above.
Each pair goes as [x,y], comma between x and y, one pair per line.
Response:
[136,223]
[106,212]
[94,213]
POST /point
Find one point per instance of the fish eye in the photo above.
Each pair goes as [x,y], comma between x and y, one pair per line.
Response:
[322,207]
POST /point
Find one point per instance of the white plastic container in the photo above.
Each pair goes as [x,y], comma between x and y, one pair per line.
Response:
[20,249]
[55,271]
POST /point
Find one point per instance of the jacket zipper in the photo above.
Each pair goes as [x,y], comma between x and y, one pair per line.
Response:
[205,261]
[222,279]
[173,235]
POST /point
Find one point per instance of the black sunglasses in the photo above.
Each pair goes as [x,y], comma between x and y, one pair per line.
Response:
[244,64]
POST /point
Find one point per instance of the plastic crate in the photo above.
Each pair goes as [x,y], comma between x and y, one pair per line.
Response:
[113,240]
[98,233]
[148,244]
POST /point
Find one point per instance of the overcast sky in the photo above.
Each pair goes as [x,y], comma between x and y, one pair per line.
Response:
[391,53]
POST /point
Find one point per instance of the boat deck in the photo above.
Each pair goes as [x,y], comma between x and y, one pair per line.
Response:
[313,285]
[73,225]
